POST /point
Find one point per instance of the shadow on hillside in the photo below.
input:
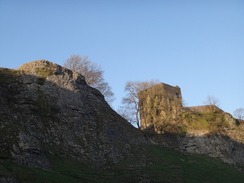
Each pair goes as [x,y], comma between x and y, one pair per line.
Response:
[59,114]
[214,145]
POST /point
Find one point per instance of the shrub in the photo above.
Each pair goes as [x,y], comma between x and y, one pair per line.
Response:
[43,73]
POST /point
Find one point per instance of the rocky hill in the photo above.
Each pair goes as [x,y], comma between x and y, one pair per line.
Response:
[55,128]
[48,109]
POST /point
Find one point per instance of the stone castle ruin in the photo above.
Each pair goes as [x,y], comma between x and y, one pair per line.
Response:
[161,111]
[159,106]
[200,129]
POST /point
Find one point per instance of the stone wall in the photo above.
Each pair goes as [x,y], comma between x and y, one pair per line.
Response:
[159,105]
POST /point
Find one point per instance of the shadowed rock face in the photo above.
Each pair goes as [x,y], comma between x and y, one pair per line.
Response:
[217,146]
[48,109]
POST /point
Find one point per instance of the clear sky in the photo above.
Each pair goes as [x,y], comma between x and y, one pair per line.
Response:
[195,44]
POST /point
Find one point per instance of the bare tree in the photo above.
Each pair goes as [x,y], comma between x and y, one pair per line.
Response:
[212,103]
[130,108]
[125,112]
[239,113]
[184,103]
[92,73]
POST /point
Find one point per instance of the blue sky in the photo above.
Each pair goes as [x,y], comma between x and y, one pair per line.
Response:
[197,45]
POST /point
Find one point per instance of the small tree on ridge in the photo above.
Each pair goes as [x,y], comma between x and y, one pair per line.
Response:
[239,113]
[93,74]
[130,108]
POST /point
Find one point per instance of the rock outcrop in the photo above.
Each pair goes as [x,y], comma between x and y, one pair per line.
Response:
[215,145]
[46,109]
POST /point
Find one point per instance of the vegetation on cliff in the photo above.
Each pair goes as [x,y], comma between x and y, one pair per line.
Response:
[56,128]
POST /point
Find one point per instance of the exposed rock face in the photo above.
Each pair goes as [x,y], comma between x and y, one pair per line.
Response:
[217,146]
[47,109]
[213,145]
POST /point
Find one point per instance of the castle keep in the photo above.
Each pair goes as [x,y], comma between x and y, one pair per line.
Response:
[159,106]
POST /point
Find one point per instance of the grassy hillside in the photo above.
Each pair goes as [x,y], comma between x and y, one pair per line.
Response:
[150,164]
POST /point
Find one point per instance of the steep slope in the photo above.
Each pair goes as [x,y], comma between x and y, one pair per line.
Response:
[46,109]
[55,128]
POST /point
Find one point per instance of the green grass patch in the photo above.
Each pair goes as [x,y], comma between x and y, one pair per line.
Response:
[151,163]
[211,121]
[171,166]
[43,73]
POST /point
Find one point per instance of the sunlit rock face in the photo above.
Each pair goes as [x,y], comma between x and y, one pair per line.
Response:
[46,109]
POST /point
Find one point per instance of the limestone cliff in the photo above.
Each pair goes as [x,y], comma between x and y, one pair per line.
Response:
[49,111]
[46,109]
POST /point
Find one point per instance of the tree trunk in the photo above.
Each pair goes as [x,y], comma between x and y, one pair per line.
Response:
[137,119]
